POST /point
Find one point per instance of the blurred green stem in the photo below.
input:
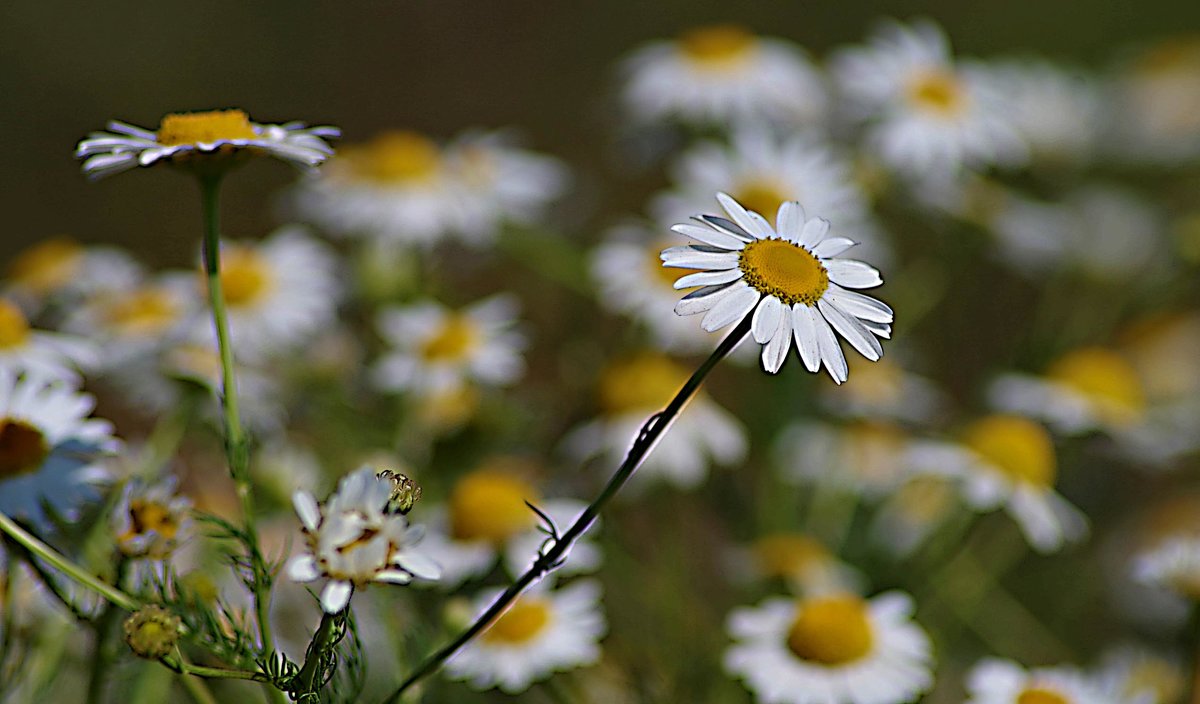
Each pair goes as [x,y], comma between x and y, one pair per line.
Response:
[105,627]
[556,554]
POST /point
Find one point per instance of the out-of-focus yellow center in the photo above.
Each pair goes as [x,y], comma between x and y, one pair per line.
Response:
[23,448]
[141,311]
[14,327]
[924,499]
[642,383]
[47,266]
[449,409]
[787,271]
[522,622]
[1018,447]
[146,516]
[206,127]
[788,554]
[1170,55]
[937,91]
[1156,675]
[395,157]
[1110,382]
[453,342]
[763,196]
[245,276]
[1037,695]
[831,631]
[717,46]
[490,505]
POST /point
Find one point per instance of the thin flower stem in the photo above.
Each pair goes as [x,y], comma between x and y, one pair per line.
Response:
[554,556]
[236,446]
[181,666]
[104,627]
[324,640]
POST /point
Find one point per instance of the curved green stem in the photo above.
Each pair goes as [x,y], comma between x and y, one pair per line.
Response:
[554,556]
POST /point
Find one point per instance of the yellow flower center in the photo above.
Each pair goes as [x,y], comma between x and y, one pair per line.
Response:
[142,311]
[937,91]
[146,516]
[395,157]
[206,127]
[831,631]
[1106,379]
[1037,695]
[14,328]
[1017,446]
[23,448]
[47,265]
[788,554]
[245,276]
[762,196]
[490,505]
[522,622]
[787,271]
[718,46]
[642,383]
[453,342]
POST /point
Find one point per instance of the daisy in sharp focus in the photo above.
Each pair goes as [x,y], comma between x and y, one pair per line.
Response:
[831,649]
[995,681]
[544,631]
[26,350]
[200,138]
[789,276]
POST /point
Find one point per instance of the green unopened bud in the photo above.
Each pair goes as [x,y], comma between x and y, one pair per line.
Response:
[405,492]
[151,632]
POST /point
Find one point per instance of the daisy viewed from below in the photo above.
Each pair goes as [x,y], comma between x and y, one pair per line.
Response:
[789,276]
[831,649]
[995,681]
[52,355]
[546,630]
[199,139]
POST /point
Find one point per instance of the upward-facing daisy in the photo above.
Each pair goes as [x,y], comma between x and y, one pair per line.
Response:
[789,276]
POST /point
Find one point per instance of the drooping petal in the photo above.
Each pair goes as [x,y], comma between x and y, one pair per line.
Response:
[831,351]
[848,327]
[776,350]
[335,596]
[859,305]
[766,319]
[805,331]
[730,308]
[702,300]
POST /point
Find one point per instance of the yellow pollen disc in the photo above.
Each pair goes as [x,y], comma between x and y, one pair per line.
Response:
[1104,377]
[23,448]
[762,196]
[831,631]
[14,328]
[142,311]
[47,265]
[788,554]
[642,383]
[1037,695]
[395,157]
[146,516]
[1017,446]
[245,276]
[207,127]
[457,338]
[489,505]
[521,623]
[784,270]
[717,46]
[937,91]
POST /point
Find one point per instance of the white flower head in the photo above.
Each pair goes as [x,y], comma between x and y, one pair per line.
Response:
[860,457]
[150,520]
[1058,112]
[995,681]
[831,649]
[27,350]
[789,276]
[353,540]
[200,139]
[1173,565]
[1140,675]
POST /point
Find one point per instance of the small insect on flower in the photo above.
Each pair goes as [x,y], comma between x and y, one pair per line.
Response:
[208,140]
[789,276]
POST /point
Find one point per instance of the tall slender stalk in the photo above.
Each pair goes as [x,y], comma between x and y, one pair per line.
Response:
[105,628]
[556,554]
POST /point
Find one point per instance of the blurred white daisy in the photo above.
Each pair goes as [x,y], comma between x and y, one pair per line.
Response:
[1156,104]
[132,323]
[722,74]
[435,349]
[802,561]
[545,631]
[1007,461]
[199,139]
[831,649]
[789,277]
[1142,676]
[630,390]
[150,520]
[26,350]
[994,681]
[884,390]
[1162,350]
[44,268]
[864,457]
[1173,565]
[1058,112]
[926,116]
[50,449]
[353,540]
[913,512]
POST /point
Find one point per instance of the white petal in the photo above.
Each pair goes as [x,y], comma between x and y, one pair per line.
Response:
[805,331]
[851,273]
[832,246]
[766,319]
[303,568]
[710,235]
[858,336]
[693,258]
[831,352]
[814,231]
[708,278]
[307,509]
[730,308]
[701,300]
[741,216]
[335,596]
[420,565]
[393,576]
[790,220]
[860,306]
[776,350]
[883,330]
[727,226]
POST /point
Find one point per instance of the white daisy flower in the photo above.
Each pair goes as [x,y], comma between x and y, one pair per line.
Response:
[802,561]
[61,272]
[831,649]
[435,349]
[353,540]
[150,520]
[49,448]
[1008,462]
[44,268]
[884,391]
[544,631]
[926,116]
[864,457]
[198,138]
[1142,676]
[25,350]
[789,276]
[1058,112]
[1173,565]
[630,391]
[995,681]
[722,74]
